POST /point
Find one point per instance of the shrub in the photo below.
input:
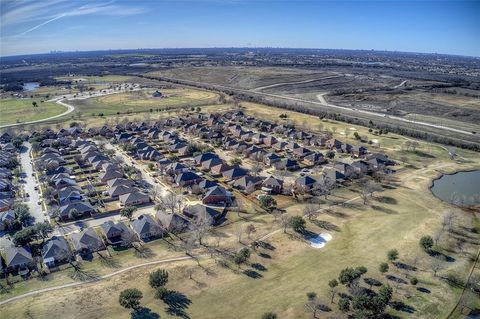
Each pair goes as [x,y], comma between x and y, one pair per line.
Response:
[414,281]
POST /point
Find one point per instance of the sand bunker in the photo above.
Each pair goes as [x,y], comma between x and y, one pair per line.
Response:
[320,240]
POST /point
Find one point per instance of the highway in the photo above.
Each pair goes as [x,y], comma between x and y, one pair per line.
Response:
[321,101]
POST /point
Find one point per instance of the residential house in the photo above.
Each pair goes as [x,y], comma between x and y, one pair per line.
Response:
[234,173]
[187,178]
[271,158]
[219,169]
[55,251]
[134,199]
[110,174]
[146,228]
[87,241]
[216,195]
[248,183]
[82,207]
[172,223]
[117,233]
[119,190]
[203,213]
[6,219]
[305,183]
[17,259]
[286,164]
[314,159]
[272,185]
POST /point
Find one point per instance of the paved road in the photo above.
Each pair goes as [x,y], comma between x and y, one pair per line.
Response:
[234,89]
[323,102]
[34,197]
[296,82]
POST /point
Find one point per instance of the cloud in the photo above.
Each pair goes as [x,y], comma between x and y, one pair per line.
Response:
[37,11]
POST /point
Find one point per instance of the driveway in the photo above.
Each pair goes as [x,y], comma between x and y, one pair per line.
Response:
[34,197]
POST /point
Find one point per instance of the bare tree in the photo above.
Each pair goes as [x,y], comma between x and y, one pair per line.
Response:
[250,230]
[367,189]
[239,232]
[436,265]
[448,221]
[284,221]
[324,188]
[172,203]
[201,227]
[311,211]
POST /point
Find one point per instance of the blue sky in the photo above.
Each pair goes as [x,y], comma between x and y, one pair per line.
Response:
[420,26]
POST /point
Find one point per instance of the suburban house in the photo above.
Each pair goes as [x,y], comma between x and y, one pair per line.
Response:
[6,219]
[116,233]
[314,159]
[146,228]
[203,213]
[286,164]
[56,250]
[271,158]
[18,258]
[248,183]
[134,198]
[120,181]
[215,195]
[119,190]
[305,183]
[234,173]
[82,207]
[87,242]
[272,185]
[204,157]
[172,223]
[208,164]
[219,169]
[187,178]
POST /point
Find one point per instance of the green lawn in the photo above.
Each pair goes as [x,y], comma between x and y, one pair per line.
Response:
[21,110]
[141,101]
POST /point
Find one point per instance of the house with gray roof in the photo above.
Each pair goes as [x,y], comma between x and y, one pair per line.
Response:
[147,228]
[87,242]
[83,207]
[134,198]
[117,233]
[55,251]
[173,223]
[18,258]
[204,213]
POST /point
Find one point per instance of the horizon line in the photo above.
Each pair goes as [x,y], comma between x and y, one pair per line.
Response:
[53,52]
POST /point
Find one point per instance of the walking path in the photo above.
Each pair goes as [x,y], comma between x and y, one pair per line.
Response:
[79,283]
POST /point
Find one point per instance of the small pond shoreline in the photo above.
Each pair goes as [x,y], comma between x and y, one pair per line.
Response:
[440,176]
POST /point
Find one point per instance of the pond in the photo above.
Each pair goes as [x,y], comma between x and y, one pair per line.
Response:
[462,188]
[30,86]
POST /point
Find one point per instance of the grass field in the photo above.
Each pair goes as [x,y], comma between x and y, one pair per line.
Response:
[21,110]
[141,101]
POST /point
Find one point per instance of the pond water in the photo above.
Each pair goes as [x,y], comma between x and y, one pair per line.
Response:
[30,86]
[462,188]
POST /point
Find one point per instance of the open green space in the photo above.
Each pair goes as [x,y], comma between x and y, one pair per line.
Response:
[142,101]
[22,110]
